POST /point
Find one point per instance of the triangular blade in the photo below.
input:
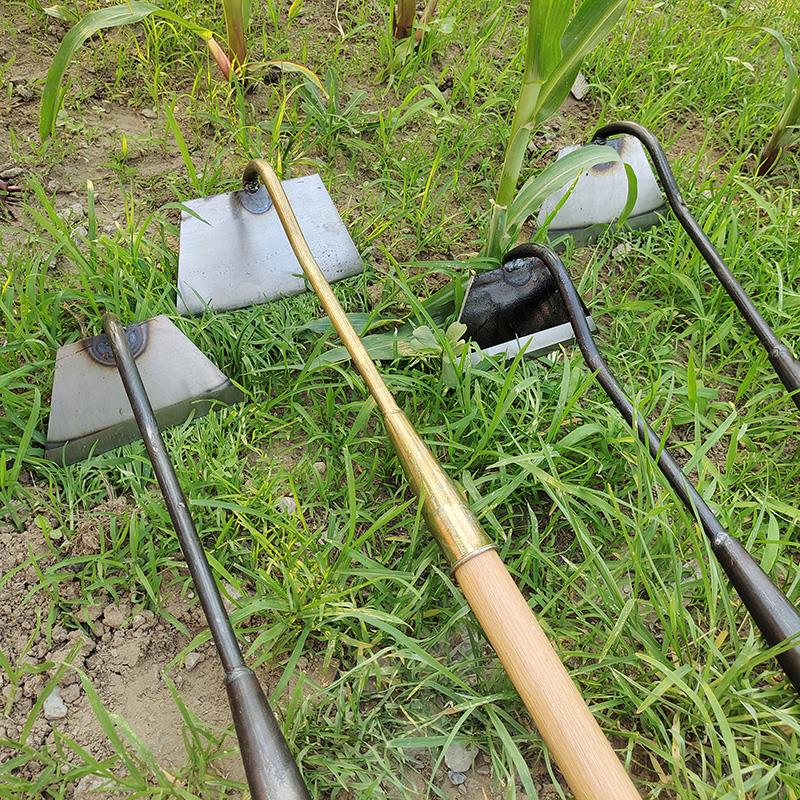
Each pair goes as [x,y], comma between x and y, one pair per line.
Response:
[600,194]
[234,252]
[90,411]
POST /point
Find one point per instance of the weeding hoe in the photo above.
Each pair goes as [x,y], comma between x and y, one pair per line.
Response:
[99,402]
[270,769]
[773,613]
[595,202]
[576,742]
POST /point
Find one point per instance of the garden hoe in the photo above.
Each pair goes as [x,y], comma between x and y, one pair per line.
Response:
[584,755]
[597,201]
[773,613]
[90,413]
[517,310]
[147,364]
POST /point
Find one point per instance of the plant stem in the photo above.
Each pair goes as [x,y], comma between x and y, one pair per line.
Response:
[404,13]
[427,15]
[780,138]
[234,24]
[524,115]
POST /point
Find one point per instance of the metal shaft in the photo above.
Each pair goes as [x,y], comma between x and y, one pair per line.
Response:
[449,518]
[271,771]
[784,363]
[772,611]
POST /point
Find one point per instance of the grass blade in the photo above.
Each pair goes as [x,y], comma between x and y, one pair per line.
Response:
[77,35]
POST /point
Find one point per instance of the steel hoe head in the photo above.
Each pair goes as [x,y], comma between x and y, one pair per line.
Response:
[599,196]
[90,412]
[516,307]
[234,253]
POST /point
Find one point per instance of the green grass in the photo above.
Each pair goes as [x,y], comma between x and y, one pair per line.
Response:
[615,569]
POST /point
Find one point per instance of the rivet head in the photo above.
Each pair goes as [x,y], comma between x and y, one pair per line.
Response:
[99,348]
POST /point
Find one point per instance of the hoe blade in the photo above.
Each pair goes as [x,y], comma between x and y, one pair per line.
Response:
[90,412]
[516,307]
[600,195]
[234,252]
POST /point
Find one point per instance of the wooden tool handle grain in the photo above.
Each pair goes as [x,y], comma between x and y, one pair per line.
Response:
[585,757]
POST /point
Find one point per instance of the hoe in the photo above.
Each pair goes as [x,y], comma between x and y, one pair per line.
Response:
[599,196]
[182,381]
[557,302]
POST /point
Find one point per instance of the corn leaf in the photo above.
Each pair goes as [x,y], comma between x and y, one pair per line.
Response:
[790,86]
[590,25]
[547,22]
[111,17]
[235,26]
[552,178]
[92,23]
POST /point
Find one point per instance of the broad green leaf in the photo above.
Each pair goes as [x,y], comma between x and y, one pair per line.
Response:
[633,194]
[590,25]
[791,84]
[235,26]
[547,22]
[92,23]
[552,178]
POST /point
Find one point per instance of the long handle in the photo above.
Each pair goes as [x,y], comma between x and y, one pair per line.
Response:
[786,366]
[573,736]
[270,769]
[773,613]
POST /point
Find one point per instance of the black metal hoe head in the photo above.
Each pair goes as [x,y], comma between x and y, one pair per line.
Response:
[533,288]
[516,307]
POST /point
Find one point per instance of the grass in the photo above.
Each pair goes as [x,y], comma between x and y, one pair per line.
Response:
[615,569]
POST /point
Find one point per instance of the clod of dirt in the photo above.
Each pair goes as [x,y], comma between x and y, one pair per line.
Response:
[70,694]
[191,661]
[286,505]
[115,616]
[459,758]
[54,706]
[320,467]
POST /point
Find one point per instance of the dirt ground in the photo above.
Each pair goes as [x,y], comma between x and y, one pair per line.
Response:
[126,653]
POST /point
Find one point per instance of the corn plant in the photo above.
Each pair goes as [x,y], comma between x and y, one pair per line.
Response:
[787,130]
[237,13]
[555,48]
[405,14]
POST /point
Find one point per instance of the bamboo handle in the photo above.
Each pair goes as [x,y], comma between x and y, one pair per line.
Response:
[582,752]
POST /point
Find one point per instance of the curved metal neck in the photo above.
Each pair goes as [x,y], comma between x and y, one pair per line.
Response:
[784,363]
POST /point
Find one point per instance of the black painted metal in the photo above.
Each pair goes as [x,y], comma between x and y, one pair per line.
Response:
[784,363]
[271,771]
[772,611]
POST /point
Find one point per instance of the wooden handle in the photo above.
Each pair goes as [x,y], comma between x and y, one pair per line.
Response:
[568,728]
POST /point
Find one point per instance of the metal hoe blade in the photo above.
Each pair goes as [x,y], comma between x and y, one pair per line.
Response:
[90,412]
[233,252]
[516,308]
[598,198]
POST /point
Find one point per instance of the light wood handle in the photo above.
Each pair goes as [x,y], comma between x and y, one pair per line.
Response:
[572,735]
